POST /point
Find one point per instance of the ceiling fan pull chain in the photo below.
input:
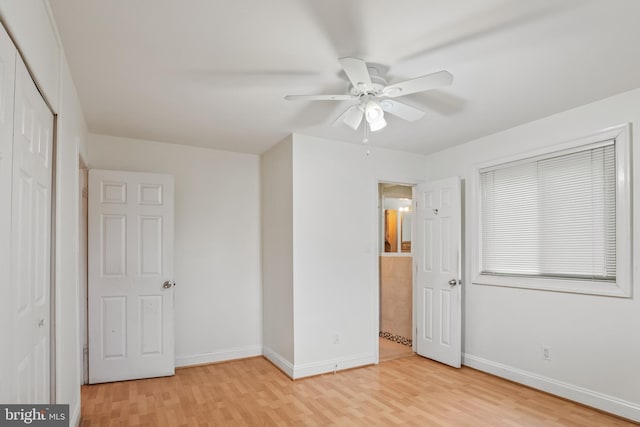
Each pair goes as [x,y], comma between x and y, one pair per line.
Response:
[366,137]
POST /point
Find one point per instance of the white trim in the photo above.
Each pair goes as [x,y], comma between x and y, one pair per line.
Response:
[74,418]
[622,287]
[554,151]
[331,365]
[218,356]
[578,394]
[316,368]
[280,362]
[553,284]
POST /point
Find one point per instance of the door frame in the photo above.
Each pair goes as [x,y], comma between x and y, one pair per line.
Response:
[83,266]
[375,209]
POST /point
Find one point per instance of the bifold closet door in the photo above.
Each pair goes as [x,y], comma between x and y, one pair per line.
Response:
[7,87]
[31,239]
[26,132]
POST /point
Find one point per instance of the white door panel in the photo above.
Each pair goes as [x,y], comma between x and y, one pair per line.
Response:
[438,217]
[130,257]
[31,239]
[7,84]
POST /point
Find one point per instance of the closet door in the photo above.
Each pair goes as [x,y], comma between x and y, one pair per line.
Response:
[7,84]
[31,240]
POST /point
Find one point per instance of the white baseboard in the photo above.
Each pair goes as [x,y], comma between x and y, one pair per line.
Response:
[218,356]
[316,368]
[283,364]
[338,364]
[582,395]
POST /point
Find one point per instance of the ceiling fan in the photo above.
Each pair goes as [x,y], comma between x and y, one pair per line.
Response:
[375,97]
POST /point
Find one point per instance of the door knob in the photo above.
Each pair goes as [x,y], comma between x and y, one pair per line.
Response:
[167,284]
[453,282]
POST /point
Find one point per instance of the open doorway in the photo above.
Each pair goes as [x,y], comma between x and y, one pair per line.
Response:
[395,275]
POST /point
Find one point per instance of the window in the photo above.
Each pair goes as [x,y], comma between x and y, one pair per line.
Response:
[558,220]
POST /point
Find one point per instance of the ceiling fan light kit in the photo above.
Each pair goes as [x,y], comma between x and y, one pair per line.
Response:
[377,124]
[372,94]
[353,117]
[373,111]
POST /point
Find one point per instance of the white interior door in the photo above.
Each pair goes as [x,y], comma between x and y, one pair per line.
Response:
[7,85]
[438,271]
[31,240]
[131,293]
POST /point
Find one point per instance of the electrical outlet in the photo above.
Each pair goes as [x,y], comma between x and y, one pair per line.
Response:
[336,338]
[546,352]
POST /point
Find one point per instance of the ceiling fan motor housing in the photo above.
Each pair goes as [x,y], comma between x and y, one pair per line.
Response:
[378,84]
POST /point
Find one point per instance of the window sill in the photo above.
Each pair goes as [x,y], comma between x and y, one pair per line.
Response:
[555,285]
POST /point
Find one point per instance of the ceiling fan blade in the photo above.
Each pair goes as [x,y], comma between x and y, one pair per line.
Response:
[419,84]
[319,97]
[399,109]
[356,70]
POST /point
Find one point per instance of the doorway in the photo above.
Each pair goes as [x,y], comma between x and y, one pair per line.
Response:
[395,336]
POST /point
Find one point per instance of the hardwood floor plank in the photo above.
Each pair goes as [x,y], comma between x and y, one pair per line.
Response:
[409,391]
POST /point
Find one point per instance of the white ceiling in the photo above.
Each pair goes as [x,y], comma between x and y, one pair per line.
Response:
[215,73]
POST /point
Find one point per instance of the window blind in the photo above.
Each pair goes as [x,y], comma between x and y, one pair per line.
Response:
[551,217]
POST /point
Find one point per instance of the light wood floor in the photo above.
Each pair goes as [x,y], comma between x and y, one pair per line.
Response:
[407,391]
[390,350]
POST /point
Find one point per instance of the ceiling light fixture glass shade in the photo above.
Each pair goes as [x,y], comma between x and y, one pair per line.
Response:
[373,111]
[374,115]
[353,117]
[378,124]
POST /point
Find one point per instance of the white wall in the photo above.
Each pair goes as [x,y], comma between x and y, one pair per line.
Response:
[218,313]
[276,176]
[31,26]
[33,30]
[335,229]
[71,144]
[594,340]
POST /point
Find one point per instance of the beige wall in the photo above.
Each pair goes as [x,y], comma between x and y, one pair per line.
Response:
[395,295]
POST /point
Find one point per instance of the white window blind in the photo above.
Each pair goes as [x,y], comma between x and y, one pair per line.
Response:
[552,216]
